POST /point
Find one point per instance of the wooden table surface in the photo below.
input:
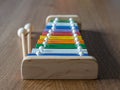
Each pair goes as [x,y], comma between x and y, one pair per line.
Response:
[100,28]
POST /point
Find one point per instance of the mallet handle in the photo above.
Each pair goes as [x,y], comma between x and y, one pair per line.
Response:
[23,45]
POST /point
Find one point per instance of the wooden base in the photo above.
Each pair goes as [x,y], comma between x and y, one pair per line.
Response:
[49,67]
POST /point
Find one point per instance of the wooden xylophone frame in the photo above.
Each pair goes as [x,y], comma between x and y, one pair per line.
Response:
[56,67]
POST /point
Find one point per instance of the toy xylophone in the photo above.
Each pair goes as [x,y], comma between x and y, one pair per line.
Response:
[60,52]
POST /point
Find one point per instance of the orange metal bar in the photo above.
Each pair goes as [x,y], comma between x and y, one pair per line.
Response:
[40,41]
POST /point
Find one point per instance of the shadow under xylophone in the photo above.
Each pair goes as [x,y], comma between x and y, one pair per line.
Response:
[60,52]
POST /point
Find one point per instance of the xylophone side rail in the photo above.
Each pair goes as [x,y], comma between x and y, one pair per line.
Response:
[65,17]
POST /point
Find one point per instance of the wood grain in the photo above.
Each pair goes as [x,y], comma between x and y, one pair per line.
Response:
[100,29]
[57,67]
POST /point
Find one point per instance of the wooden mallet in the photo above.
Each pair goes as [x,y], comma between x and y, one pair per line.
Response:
[21,33]
[28,28]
